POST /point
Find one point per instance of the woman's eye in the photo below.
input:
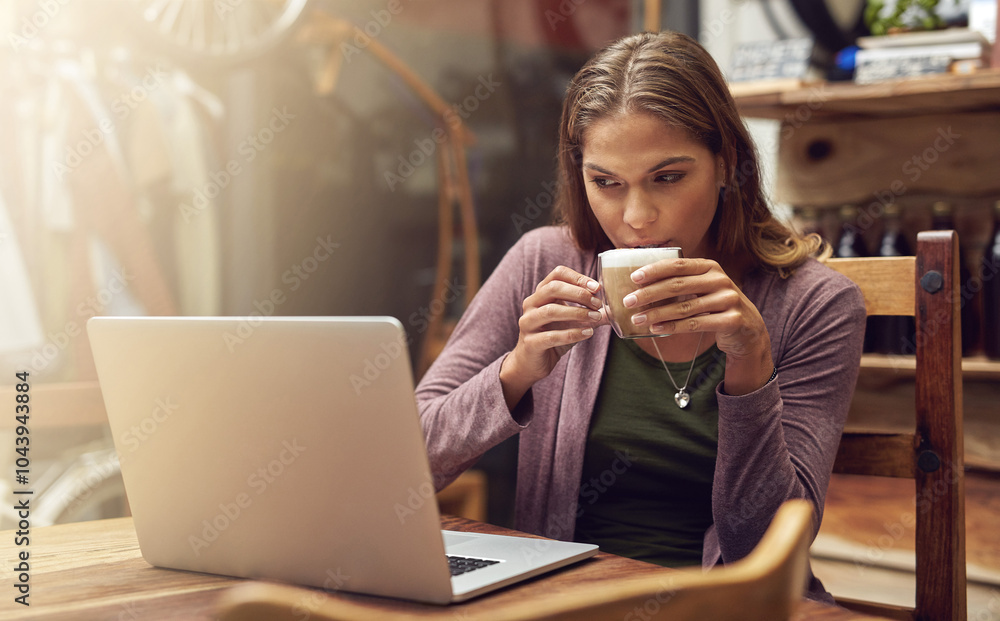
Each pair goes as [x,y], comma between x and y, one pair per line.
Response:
[602,182]
[669,177]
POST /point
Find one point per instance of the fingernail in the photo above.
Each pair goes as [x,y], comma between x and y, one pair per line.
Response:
[595,302]
[592,285]
[630,300]
[638,276]
[639,319]
[656,327]
[596,316]
[587,331]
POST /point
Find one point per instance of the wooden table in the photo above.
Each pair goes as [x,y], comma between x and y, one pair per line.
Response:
[93,570]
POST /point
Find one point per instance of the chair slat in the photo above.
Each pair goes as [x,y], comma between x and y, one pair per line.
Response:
[886,282]
[895,286]
[887,611]
[940,528]
[877,454]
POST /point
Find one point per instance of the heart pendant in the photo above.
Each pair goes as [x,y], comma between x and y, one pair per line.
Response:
[682,398]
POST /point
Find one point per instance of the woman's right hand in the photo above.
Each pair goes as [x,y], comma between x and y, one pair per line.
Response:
[562,312]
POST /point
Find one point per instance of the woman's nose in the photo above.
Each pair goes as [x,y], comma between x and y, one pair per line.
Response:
[639,210]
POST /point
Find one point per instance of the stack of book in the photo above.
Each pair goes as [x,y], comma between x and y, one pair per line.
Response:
[920,53]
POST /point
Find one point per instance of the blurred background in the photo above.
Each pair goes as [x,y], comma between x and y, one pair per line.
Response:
[341,157]
[271,157]
[289,157]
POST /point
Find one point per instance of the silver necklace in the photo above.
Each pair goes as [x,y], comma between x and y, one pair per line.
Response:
[682,397]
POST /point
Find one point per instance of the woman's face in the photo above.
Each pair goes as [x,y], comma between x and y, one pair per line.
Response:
[650,184]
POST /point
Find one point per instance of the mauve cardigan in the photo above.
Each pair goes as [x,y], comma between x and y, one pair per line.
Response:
[774,444]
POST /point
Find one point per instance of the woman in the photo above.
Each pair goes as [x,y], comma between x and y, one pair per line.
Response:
[652,152]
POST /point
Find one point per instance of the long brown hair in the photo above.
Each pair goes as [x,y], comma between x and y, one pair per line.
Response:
[671,76]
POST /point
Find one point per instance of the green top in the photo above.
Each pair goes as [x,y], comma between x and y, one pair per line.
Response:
[646,489]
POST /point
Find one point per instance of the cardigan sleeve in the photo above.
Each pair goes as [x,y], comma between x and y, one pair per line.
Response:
[779,442]
[460,399]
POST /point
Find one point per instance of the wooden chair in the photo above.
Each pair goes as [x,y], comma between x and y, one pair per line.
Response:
[767,585]
[926,287]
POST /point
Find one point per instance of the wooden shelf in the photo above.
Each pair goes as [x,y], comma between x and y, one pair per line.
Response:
[69,404]
[795,100]
[973,367]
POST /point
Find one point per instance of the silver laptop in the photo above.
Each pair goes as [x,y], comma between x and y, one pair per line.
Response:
[290,449]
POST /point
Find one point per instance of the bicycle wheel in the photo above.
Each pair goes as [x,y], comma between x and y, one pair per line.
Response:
[221,31]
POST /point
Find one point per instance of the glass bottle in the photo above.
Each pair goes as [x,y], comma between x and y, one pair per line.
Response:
[809,221]
[851,244]
[990,272]
[942,219]
[893,334]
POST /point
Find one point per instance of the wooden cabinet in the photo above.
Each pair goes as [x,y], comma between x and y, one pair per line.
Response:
[910,142]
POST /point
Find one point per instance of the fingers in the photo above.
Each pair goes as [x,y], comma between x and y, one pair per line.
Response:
[723,321]
[556,316]
[708,302]
[667,268]
[557,339]
[666,282]
[561,312]
[565,285]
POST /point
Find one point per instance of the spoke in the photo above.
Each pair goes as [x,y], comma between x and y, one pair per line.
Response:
[185,25]
[240,29]
[200,40]
[262,18]
[167,24]
[152,12]
[244,23]
[232,33]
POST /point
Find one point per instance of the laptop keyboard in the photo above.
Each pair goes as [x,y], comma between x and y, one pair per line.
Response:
[463,564]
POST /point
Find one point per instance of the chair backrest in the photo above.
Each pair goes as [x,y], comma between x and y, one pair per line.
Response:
[767,585]
[926,287]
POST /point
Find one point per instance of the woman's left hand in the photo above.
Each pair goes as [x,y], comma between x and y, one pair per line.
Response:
[709,301]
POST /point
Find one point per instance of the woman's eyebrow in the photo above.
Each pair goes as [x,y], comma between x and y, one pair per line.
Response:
[672,160]
[667,162]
